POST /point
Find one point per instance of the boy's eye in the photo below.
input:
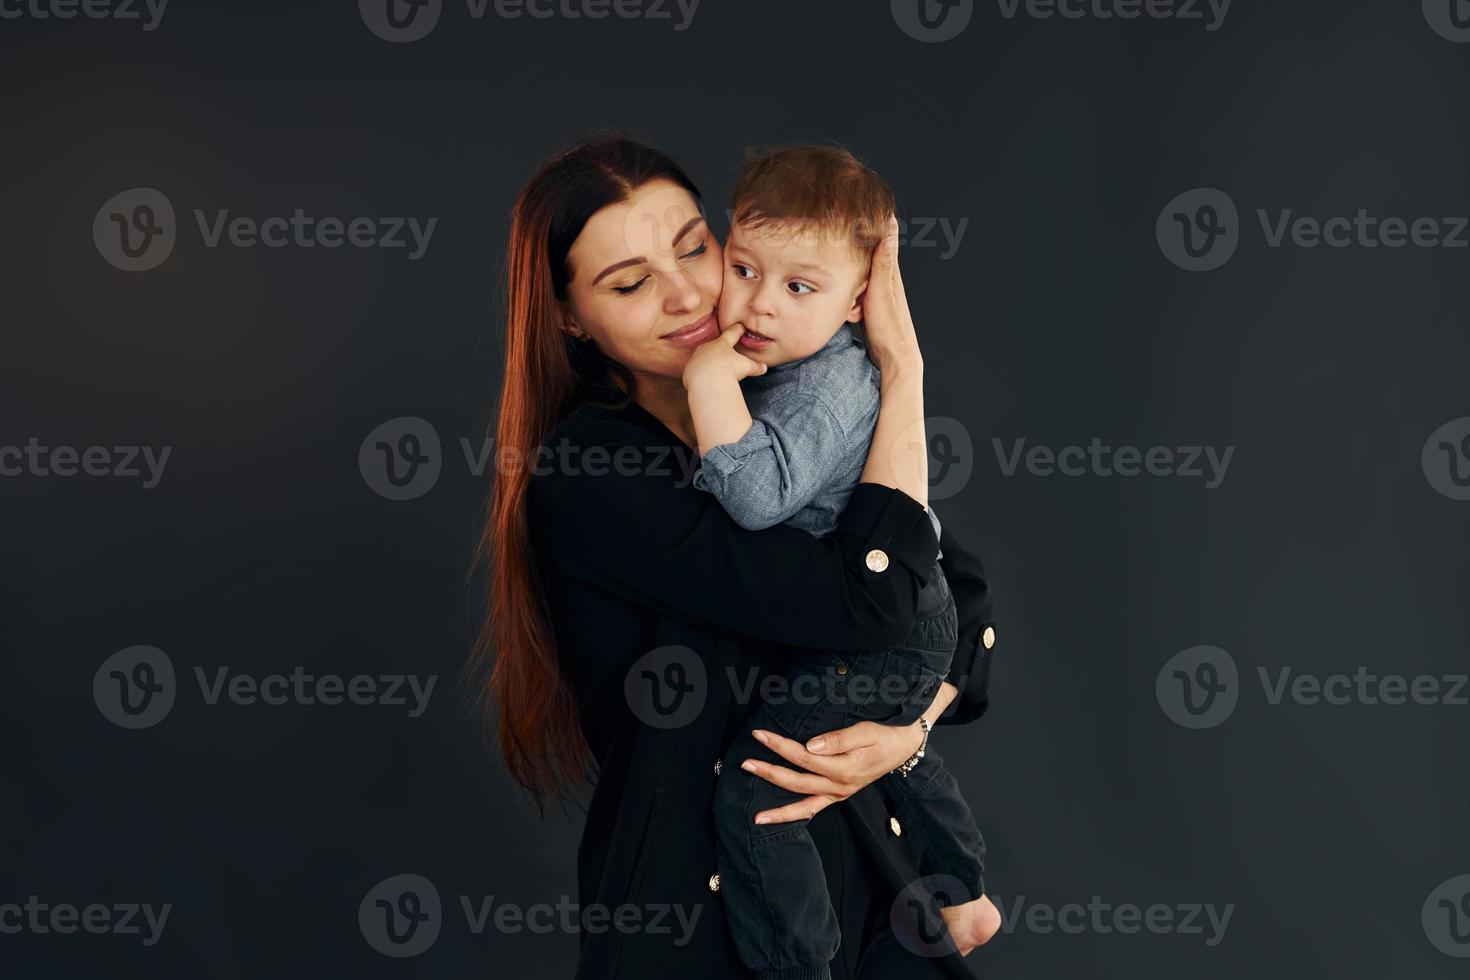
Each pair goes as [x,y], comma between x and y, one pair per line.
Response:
[797,287]
[626,290]
[741,270]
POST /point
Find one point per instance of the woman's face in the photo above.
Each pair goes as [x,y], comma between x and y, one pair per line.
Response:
[645,278]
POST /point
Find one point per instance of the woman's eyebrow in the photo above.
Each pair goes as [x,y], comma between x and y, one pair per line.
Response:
[616,266]
[638,258]
[685,230]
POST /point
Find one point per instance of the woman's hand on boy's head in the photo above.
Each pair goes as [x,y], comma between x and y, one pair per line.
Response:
[889,326]
[717,358]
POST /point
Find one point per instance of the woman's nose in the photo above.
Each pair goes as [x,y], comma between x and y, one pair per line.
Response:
[684,295]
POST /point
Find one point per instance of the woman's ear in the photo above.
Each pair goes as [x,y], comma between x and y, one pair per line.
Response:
[567,324]
[856,313]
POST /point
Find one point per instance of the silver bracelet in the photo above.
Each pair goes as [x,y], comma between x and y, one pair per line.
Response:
[913,760]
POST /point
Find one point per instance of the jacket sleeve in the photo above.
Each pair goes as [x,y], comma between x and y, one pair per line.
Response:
[778,466]
[637,528]
[970,670]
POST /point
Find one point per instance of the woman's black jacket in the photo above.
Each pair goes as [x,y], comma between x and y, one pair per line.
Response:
[666,614]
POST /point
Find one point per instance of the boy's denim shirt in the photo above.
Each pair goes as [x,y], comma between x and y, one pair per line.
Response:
[812,424]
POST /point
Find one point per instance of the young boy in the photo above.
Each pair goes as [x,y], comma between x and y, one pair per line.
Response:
[789,445]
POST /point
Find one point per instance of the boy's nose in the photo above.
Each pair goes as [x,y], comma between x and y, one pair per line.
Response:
[762,303]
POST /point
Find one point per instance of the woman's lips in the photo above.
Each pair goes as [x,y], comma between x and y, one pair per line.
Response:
[694,334]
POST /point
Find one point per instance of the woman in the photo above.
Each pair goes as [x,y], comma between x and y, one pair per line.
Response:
[631,620]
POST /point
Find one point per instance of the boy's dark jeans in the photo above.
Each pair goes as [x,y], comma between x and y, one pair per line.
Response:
[771,878]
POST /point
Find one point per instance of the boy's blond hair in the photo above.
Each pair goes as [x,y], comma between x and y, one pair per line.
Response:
[821,188]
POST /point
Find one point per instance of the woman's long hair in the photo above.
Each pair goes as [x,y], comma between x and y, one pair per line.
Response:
[548,375]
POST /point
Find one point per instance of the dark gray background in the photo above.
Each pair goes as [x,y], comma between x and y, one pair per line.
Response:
[1059,319]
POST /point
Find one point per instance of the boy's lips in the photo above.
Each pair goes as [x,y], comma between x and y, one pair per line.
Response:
[755,340]
[695,333]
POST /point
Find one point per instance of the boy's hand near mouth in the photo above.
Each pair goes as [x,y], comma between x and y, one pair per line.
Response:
[712,379]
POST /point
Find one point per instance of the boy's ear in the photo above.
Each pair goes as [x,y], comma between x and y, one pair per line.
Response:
[856,313]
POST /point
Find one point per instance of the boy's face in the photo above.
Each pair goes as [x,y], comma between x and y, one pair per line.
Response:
[792,286]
